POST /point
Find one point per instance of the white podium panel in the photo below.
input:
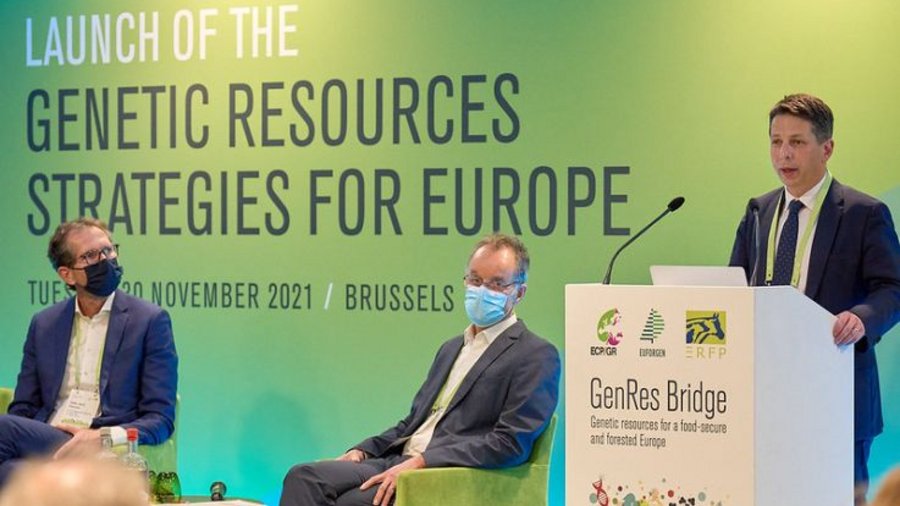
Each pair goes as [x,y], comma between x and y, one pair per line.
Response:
[705,396]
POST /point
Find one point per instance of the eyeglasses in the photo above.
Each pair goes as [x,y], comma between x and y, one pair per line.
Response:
[496,285]
[93,256]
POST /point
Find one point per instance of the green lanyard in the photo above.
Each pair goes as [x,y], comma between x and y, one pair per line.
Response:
[440,406]
[810,225]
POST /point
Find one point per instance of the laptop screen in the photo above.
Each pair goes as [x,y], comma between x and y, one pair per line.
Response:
[697,275]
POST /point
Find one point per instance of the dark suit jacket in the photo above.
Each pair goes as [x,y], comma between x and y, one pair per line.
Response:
[854,265]
[502,405]
[138,376]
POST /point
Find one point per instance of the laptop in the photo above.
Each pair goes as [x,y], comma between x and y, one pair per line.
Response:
[697,275]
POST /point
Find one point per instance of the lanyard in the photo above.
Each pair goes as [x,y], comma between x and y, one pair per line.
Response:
[801,249]
[441,402]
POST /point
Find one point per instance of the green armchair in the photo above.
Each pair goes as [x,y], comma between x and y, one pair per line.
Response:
[5,398]
[163,457]
[160,458]
[462,486]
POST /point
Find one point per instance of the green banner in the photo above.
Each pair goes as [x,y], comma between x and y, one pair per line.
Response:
[300,184]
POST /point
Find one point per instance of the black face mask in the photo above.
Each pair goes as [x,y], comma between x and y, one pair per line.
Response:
[103,277]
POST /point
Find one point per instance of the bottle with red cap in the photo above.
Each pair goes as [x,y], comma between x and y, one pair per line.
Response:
[134,460]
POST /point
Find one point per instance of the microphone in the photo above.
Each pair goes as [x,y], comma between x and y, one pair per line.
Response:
[673,206]
[217,491]
[754,208]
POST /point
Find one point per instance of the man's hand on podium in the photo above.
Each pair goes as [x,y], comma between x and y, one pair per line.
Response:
[848,328]
[388,479]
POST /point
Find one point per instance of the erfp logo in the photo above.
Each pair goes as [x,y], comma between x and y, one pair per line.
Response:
[609,332]
[706,334]
[705,327]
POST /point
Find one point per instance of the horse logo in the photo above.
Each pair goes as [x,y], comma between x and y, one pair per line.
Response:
[705,327]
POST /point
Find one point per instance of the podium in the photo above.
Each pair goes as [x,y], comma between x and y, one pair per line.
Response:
[705,396]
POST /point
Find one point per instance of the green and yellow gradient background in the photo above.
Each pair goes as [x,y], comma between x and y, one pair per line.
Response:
[677,91]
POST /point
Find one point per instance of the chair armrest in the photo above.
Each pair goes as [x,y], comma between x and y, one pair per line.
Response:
[162,457]
[6,396]
[461,486]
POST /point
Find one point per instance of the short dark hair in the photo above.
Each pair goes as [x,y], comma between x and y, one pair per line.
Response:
[498,241]
[58,251]
[810,108]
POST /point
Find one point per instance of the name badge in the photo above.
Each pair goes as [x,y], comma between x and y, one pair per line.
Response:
[80,408]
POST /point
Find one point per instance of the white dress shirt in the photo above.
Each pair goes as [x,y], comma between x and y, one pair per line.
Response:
[85,360]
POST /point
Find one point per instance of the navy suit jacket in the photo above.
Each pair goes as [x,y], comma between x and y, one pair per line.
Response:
[502,405]
[138,376]
[854,265]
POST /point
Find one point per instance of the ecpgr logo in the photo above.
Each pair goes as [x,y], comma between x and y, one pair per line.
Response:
[706,334]
[609,332]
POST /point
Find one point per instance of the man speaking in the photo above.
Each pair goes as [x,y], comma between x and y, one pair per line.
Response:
[835,244]
[488,395]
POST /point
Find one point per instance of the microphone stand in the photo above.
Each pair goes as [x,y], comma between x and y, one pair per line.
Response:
[673,205]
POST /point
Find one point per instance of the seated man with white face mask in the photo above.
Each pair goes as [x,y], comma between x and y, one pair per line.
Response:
[488,395]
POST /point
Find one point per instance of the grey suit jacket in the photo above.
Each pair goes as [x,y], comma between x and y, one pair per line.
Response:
[502,405]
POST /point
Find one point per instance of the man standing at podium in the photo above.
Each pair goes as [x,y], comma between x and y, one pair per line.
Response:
[489,394]
[834,243]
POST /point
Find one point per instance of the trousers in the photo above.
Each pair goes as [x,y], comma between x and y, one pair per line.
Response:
[333,482]
[21,438]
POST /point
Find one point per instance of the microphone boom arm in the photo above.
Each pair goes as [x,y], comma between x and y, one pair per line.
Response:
[606,279]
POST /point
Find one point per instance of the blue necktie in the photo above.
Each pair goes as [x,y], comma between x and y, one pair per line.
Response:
[787,244]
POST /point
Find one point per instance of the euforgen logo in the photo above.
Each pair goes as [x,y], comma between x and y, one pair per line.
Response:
[653,327]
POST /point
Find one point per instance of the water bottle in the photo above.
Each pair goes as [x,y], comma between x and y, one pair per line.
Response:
[134,460]
[106,445]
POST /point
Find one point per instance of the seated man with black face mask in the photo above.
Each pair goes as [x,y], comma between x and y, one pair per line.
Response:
[100,359]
